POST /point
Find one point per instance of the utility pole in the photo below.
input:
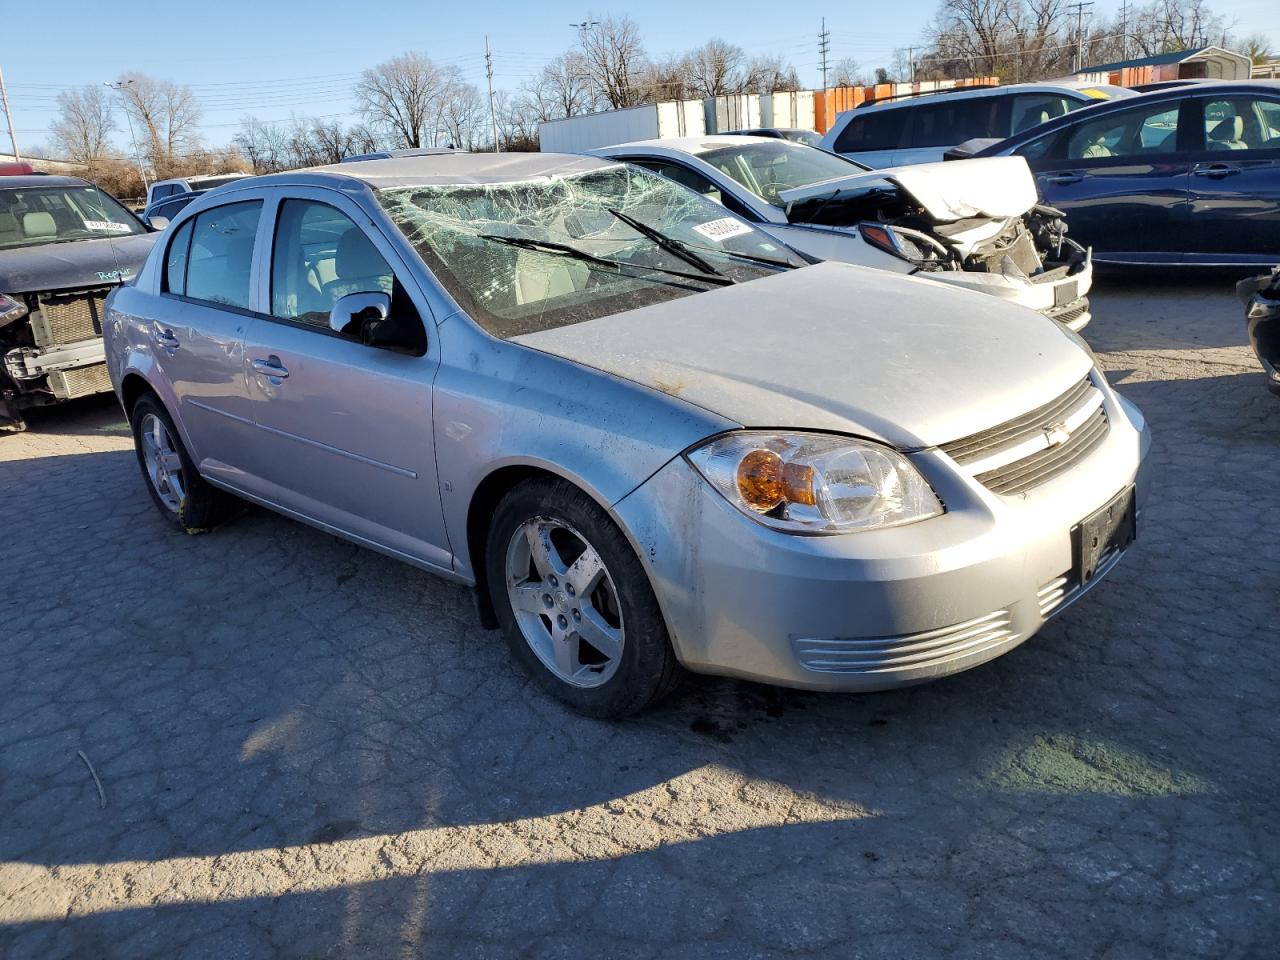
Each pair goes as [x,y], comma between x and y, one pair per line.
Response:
[911,64]
[493,113]
[4,98]
[824,46]
[1079,8]
[133,141]
[1124,30]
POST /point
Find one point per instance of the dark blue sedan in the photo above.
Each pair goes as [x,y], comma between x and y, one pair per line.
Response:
[1188,175]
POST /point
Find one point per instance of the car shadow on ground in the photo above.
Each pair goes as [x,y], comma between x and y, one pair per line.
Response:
[308,749]
[1166,310]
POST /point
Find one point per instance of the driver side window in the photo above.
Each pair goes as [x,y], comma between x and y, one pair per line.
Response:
[319,256]
[1142,131]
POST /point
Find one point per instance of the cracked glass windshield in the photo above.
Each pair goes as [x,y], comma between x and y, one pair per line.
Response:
[767,168]
[533,255]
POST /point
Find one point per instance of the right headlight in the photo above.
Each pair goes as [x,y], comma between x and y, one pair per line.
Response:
[814,482]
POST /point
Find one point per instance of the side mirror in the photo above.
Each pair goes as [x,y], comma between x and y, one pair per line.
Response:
[353,314]
[157,223]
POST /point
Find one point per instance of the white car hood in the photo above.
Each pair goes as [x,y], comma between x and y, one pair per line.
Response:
[953,190]
[836,347]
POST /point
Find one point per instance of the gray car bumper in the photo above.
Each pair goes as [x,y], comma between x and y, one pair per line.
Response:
[881,609]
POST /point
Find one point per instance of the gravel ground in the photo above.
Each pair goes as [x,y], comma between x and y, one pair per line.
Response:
[308,750]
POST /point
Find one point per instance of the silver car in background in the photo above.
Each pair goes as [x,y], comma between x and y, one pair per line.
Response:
[650,437]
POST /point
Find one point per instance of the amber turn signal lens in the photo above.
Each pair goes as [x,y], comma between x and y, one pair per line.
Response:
[764,481]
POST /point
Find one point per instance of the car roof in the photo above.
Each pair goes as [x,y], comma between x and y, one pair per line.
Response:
[437,170]
[1105,107]
[694,145]
[41,180]
[964,93]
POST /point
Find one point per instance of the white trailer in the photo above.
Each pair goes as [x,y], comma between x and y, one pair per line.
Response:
[792,110]
[738,111]
[671,118]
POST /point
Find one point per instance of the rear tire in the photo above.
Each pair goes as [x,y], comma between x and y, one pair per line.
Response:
[180,494]
[574,602]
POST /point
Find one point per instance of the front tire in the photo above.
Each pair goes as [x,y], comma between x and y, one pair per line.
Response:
[574,602]
[179,492]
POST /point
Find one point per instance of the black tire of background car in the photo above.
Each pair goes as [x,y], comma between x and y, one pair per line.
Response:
[204,506]
[649,669]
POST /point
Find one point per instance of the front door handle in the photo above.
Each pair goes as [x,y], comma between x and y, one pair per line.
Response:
[271,367]
[1217,171]
[165,339]
[1062,179]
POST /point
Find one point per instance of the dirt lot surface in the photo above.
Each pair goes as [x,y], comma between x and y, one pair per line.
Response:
[308,750]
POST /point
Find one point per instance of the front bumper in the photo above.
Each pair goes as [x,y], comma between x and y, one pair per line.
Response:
[65,371]
[880,609]
[1064,299]
[1262,302]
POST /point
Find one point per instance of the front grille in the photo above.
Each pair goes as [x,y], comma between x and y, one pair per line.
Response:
[1022,475]
[1070,312]
[80,381]
[1020,453]
[910,652]
[70,318]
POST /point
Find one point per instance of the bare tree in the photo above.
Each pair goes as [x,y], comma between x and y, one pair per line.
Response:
[715,69]
[770,73]
[82,131]
[1257,47]
[402,96]
[847,73]
[614,59]
[563,88]
[463,111]
[667,79]
[168,116]
[264,145]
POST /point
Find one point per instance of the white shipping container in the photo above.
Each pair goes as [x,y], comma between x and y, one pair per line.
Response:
[739,111]
[792,110]
[671,118]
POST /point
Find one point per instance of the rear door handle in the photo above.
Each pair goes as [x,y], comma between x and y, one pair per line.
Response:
[1062,179]
[271,367]
[1217,171]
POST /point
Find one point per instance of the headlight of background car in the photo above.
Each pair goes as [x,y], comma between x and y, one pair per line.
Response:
[815,483]
[11,309]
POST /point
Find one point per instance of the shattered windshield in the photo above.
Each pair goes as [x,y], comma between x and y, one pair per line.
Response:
[32,216]
[533,255]
[768,168]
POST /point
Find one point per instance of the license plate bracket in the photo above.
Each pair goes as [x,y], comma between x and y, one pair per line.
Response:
[1065,293]
[1114,526]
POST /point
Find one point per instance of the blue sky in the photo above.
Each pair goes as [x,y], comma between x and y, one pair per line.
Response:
[274,59]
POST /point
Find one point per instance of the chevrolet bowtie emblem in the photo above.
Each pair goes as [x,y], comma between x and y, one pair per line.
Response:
[1057,434]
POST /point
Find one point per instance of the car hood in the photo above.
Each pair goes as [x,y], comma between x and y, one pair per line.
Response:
[70,266]
[952,190]
[836,347]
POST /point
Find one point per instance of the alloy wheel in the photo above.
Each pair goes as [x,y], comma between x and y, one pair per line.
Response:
[564,602]
[164,465]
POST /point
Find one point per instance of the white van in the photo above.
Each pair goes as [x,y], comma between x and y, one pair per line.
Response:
[920,128]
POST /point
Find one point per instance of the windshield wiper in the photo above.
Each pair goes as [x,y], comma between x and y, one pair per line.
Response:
[564,250]
[670,244]
[685,251]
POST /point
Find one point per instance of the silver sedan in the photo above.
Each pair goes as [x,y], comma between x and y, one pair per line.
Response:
[650,436]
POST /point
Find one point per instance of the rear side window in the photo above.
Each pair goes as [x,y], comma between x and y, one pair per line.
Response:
[945,124]
[872,131]
[1242,123]
[220,263]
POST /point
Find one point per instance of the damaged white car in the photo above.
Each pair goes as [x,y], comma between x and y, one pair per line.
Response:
[973,223]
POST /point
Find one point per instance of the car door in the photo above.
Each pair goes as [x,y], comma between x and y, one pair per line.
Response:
[1235,180]
[1122,179]
[197,333]
[344,426]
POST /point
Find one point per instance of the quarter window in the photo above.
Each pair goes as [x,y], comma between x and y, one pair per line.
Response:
[175,261]
[1032,109]
[1128,133]
[220,264]
[319,256]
